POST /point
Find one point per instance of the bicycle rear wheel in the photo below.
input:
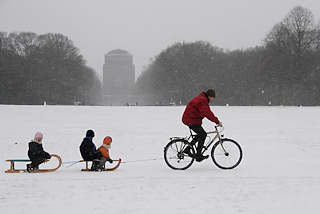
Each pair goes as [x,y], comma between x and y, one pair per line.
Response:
[226,154]
[175,157]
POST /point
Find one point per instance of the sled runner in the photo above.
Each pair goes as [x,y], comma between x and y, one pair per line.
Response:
[87,169]
[13,170]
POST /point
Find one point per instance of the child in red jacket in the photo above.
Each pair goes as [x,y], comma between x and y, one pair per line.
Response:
[98,165]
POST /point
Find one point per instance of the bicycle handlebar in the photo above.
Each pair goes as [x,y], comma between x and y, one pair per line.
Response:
[216,128]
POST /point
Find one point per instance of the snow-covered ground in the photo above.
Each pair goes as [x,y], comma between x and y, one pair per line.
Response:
[280,171]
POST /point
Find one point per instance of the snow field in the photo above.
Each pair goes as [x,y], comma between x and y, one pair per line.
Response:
[279,172]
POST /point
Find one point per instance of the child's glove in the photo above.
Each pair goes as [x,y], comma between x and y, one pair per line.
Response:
[47,155]
[110,160]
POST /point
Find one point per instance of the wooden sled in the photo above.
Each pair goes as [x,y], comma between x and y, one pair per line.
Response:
[13,170]
[105,169]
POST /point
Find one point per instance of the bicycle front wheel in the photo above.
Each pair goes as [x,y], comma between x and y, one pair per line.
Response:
[226,154]
[175,156]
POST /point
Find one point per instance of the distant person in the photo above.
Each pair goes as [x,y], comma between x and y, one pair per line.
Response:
[197,109]
[98,165]
[36,153]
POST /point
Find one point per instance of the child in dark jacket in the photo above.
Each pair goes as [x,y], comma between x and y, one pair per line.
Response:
[87,148]
[36,153]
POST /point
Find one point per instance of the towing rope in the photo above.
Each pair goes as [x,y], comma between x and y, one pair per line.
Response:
[142,160]
[71,163]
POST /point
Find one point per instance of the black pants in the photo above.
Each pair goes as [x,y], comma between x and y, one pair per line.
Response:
[98,162]
[36,161]
[200,138]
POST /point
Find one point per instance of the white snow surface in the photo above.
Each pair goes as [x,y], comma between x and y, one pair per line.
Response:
[279,173]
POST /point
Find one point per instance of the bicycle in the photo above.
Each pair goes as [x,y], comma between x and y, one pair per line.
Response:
[225,153]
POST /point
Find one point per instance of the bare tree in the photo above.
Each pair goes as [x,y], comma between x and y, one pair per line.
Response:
[296,34]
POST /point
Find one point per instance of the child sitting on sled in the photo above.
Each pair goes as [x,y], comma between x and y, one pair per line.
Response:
[90,153]
[36,153]
[98,164]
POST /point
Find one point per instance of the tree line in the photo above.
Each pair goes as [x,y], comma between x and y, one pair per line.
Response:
[48,68]
[284,70]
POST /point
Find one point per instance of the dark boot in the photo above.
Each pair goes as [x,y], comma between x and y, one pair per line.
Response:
[201,157]
[29,168]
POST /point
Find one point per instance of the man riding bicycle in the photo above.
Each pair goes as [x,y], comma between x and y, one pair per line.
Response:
[197,109]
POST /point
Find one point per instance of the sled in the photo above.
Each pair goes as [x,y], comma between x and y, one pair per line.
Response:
[105,169]
[13,170]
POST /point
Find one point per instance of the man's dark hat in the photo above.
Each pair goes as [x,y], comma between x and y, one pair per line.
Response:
[211,93]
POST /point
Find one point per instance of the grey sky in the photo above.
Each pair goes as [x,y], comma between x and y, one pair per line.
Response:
[145,27]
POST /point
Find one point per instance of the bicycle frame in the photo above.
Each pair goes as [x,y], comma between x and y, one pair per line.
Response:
[206,146]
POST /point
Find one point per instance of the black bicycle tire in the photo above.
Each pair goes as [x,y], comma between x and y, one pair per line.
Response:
[216,163]
[166,148]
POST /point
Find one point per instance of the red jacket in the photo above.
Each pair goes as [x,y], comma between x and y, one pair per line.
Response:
[197,109]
